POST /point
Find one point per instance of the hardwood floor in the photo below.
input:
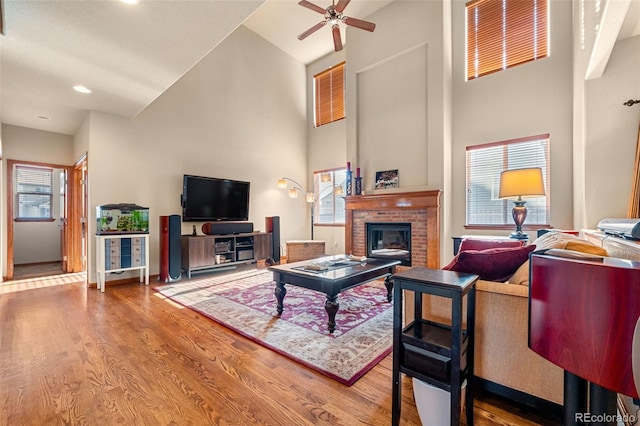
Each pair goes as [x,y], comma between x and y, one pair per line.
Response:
[72,355]
[32,270]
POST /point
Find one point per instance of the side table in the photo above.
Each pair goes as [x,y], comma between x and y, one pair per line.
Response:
[121,252]
[438,354]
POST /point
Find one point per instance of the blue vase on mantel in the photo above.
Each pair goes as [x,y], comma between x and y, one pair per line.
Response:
[349,183]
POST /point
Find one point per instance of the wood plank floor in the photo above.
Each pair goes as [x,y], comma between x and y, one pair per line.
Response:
[72,355]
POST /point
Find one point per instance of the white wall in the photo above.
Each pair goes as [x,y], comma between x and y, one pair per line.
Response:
[530,99]
[399,98]
[327,149]
[39,241]
[239,114]
[611,134]
[407,46]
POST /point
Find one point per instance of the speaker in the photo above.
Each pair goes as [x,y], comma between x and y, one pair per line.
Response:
[272,225]
[222,228]
[170,249]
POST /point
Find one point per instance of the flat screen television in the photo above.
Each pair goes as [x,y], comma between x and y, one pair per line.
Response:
[212,199]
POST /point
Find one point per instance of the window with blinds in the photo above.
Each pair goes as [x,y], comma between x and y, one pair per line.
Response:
[505,33]
[484,165]
[329,95]
[34,192]
[329,207]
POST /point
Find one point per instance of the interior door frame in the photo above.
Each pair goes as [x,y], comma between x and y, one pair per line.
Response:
[78,216]
[10,205]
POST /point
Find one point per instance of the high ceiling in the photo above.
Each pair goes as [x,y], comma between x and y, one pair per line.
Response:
[130,54]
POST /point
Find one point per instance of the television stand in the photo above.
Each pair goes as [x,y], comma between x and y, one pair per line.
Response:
[205,253]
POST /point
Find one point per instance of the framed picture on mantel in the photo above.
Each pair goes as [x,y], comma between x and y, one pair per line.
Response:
[387,179]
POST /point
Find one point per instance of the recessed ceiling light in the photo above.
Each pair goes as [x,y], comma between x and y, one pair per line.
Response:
[81,89]
[133,2]
[42,117]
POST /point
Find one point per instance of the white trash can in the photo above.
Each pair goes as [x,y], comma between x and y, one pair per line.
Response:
[433,403]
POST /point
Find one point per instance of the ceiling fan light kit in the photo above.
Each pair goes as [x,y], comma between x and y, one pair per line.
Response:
[333,15]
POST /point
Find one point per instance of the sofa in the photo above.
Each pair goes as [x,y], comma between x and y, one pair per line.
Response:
[503,360]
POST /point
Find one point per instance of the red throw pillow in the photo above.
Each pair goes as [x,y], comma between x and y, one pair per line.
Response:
[496,264]
[478,244]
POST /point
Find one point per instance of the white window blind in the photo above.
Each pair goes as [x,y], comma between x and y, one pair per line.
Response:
[329,207]
[484,165]
[505,33]
[329,95]
[33,192]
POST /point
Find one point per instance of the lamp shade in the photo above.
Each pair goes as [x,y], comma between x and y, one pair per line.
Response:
[521,183]
[311,197]
[282,183]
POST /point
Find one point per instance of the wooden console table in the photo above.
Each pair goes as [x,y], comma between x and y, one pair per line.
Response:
[204,253]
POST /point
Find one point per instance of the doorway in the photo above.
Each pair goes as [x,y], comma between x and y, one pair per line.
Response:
[68,220]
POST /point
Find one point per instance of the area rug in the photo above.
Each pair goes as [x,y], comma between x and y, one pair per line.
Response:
[245,302]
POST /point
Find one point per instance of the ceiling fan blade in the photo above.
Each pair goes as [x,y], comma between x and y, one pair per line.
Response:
[337,40]
[342,4]
[312,30]
[309,5]
[359,23]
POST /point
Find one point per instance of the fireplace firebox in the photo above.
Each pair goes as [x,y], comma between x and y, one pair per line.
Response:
[389,241]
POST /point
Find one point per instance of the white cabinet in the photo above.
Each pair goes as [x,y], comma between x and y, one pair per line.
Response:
[121,252]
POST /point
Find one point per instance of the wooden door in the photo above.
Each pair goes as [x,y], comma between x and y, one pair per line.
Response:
[64,228]
[77,218]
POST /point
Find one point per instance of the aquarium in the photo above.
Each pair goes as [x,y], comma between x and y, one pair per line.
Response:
[122,219]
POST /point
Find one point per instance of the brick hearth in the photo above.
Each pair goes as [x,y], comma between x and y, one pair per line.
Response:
[421,209]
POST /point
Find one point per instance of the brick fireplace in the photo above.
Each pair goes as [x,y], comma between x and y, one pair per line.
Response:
[421,209]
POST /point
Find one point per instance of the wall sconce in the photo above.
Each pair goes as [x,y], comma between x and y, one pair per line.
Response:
[521,183]
[293,193]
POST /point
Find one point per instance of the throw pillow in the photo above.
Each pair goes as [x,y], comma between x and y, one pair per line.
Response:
[556,240]
[496,264]
[479,244]
[521,276]
[586,247]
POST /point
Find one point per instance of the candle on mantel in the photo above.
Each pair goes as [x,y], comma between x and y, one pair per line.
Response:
[358,172]
[348,166]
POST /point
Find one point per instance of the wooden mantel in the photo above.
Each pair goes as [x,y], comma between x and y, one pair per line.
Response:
[400,202]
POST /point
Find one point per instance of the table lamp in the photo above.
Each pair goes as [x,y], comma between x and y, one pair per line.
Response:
[521,183]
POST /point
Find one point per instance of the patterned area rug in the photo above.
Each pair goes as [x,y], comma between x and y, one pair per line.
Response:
[245,302]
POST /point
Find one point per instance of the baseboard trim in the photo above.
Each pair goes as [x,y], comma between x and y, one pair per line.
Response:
[521,399]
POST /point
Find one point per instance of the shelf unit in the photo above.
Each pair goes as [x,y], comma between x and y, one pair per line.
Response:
[208,252]
[121,252]
[438,354]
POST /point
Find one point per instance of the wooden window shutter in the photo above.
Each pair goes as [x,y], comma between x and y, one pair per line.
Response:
[329,95]
[505,33]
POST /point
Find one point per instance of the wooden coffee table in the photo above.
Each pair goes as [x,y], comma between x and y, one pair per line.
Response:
[332,275]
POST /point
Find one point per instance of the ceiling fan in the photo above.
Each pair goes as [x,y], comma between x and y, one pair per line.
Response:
[333,15]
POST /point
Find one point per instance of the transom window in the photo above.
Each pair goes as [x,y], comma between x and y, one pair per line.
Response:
[329,187]
[484,165]
[505,33]
[329,95]
[34,192]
